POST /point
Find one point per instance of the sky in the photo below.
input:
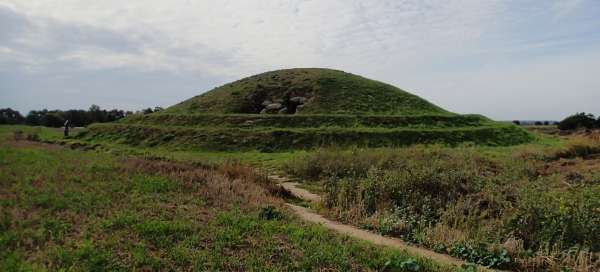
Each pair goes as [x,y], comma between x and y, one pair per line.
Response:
[506,59]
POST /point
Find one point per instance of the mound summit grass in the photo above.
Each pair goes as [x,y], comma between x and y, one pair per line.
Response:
[326,92]
[304,109]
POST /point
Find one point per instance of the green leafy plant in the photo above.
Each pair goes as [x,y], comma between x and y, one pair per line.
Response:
[270,213]
[402,264]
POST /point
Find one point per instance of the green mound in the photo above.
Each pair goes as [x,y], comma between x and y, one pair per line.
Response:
[304,109]
[307,91]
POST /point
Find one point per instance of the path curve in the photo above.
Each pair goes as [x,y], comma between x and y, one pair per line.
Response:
[376,239]
[299,192]
[311,216]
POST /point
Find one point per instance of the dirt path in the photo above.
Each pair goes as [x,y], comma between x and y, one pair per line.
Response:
[376,239]
[311,216]
[299,192]
[294,188]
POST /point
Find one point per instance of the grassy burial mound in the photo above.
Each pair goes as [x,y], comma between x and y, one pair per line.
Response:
[303,109]
[307,91]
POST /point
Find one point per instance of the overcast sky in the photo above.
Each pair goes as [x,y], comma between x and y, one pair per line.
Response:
[513,59]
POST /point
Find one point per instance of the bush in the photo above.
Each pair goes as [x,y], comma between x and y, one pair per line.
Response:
[33,136]
[406,189]
[558,219]
[481,255]
[270,213]
[578,120]
[18,135]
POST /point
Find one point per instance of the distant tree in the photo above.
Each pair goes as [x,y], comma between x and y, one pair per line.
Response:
[36,118]
[517,122]
[114,115]
[54,119]
[156,109]
[95,114]
[94,108]
[77,118]
[538,123]
[578,120]
[546,123]
[11,117]
[147,111]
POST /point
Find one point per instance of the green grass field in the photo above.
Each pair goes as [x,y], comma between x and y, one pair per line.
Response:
[365,187]
[73,210]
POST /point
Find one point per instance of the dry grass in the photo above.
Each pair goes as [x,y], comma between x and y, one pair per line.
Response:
[224,186]
[555,261]
[445,235]
[582,145]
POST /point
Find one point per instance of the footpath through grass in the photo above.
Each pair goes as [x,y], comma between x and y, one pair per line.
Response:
[71,210]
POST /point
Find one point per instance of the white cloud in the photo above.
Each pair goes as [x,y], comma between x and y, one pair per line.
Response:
[262,34]
[436,48]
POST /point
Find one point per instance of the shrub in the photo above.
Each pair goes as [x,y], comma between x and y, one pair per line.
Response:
[18,135]
[578,120]
[270,213]
[401,264]
[33,136]
[558,219]
[481,255]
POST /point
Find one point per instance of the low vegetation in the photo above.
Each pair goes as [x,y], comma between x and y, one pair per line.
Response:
[271,139]
[307,120]
[70,210]
[528,208]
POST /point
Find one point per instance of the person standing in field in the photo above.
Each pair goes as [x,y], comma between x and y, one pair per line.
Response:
[67,128]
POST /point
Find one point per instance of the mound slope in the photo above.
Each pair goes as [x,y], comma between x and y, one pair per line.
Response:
[307,91]
[303,109]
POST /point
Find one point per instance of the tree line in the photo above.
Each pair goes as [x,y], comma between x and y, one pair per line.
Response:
[580,120]
[57,118]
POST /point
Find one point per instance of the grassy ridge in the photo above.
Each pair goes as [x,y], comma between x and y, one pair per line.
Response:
[306,121]
[68,210]
[272,139]
[330,92]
